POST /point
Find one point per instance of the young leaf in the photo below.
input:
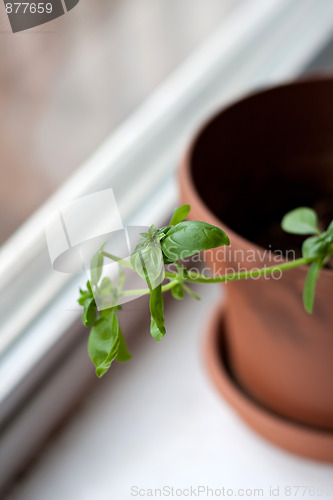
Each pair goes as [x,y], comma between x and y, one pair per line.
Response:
[103,343]
[85,294]
[161,233]
[330,229]
[190,237]
[180,214]
[104,313]
[147,262]
[301,220]
[147,258]
[177,292]
[106,294]
[157,328]
[155,331]
[123,353]
[310,285]
[317,246]
[89,311]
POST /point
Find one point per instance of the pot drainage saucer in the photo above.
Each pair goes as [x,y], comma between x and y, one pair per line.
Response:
[296,438]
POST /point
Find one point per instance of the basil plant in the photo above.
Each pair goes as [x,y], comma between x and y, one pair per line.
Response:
[152,258]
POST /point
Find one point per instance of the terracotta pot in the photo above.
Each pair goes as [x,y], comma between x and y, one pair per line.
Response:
[304,440]
[256,160]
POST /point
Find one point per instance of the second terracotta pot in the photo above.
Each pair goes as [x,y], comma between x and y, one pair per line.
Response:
[256,160]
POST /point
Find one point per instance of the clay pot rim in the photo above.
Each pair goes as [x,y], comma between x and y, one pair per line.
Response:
[310,442]
[185,165]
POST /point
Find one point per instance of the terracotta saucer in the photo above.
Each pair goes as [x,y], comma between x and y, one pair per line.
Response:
[305,441]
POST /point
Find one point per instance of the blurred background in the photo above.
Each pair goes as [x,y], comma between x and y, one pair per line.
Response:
[109,96]
[66,85]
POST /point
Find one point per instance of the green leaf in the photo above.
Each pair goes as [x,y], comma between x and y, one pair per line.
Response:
[96,267]
[83,298]
[177,292]
[157,328]
[107,294]
[329,240]
[316,247]
[163,232]
[85,294]
[148,262]
[301,220]
[330,229]
[190,237]
[310,285]
[180,214]
[104,313]
[89,312]
[155,331]
[103,343]
[123,352]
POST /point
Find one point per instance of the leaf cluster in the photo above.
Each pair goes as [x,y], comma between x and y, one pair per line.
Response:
[318,248]
[155,249]
[106,340]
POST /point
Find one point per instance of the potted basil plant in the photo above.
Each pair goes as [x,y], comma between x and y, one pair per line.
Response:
[159,259]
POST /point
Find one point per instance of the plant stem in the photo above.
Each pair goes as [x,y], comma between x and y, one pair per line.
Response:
[146,291]
[191,276]
[194,277]
[116,259]
[171,275]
